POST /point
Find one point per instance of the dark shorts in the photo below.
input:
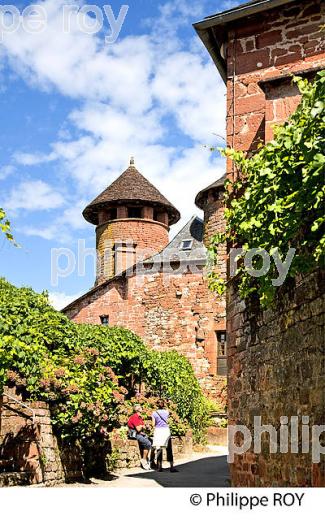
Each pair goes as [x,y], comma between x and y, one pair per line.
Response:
[143,441]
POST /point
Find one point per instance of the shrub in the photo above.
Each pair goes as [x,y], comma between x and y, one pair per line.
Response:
[172,376]
[86,372]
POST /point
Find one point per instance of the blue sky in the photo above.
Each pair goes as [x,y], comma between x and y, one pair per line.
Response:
[74,109]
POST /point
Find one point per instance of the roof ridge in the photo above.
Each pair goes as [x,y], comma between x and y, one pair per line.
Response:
[194,217]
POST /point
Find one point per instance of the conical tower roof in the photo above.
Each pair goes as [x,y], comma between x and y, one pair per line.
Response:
[217,185]
[130,187]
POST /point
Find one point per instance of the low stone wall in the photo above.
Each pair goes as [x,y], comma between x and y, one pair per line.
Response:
[125,453]
[32,446]
[217,436]
[41,459]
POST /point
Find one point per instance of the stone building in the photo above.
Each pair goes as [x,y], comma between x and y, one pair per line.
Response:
[276,361]
[154,287]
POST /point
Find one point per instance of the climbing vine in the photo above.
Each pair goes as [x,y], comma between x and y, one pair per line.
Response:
[278,203]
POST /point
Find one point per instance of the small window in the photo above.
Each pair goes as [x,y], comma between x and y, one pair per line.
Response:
[104,319]
[186,245]
[112,214]
[222,353]
[134,212]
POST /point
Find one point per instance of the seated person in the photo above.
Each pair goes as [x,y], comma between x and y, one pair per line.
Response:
[136,425]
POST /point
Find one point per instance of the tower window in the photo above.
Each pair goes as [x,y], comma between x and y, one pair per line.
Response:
[222,353]
[186,245]
[112,214]
[104,319]
[134,212]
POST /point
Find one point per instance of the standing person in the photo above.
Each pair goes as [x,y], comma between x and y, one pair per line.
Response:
[162,436]
[136,427]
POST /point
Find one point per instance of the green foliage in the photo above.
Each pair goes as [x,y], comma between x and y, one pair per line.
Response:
[41,351]
[223,423]
[112,460]
[214,407]
[86,371]
[119,348]
[172,376]
[166,374]
[279,202]
[5,227]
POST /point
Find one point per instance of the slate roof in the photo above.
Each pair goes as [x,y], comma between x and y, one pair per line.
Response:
[131,186]
[192,231]
[218,184]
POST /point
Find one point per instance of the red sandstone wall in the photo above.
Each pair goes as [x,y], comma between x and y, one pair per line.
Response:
[214,222]
[33,447]
[149,237]
[168,312]
[277,43]
[275,357]
[276,368]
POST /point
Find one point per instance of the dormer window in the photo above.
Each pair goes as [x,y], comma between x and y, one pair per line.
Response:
[186,245]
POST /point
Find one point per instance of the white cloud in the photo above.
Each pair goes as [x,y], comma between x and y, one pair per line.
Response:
[59,300]
[187,88]
[228,4]
[73,215]
[32,159]
[80,65]
[194,170]
[128,93]
[50,232]
[61,229]
[104,121]
[173,16]
[6,170]
[33,196]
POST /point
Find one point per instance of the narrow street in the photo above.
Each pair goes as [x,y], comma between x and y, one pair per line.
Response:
[208,469]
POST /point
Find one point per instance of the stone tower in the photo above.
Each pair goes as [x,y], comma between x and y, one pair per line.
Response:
[132,221]
[211,201]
